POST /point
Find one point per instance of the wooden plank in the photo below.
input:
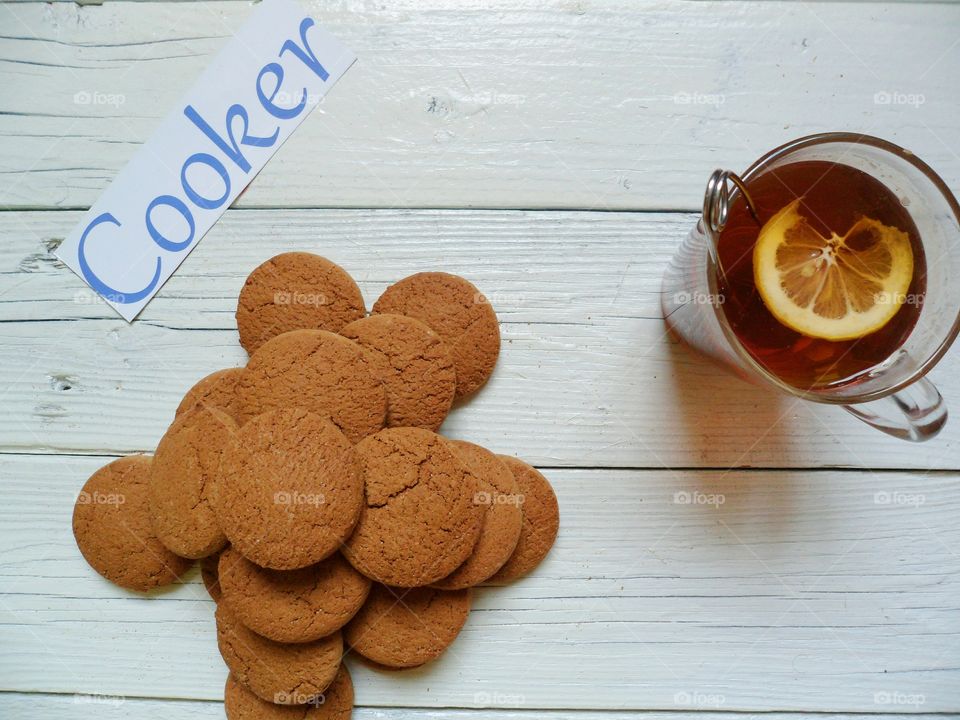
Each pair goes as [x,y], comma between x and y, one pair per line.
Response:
[26,706]
[504,103]
[585,357]
[585,354]
[803,591]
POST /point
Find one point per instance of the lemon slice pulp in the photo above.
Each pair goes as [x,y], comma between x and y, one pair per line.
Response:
[836,287]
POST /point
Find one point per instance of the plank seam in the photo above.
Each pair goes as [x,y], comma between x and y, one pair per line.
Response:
[533,712]
[587,468]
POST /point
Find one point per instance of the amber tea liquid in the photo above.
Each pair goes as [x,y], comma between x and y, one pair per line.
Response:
[833,198]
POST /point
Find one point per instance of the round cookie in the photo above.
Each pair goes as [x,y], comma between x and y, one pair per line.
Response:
[419,522]
[336,703]
[414,364]
[499,496]
[292,606]
[276,672]
[218,389]
[459,313]
[182,481]
[210,574]
[111,523]
[296,291]
[406,628]
[541,521]
[289,490]
[323,372]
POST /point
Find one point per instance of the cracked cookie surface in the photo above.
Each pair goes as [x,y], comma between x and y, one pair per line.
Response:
[323,372]
[499,496]
[404,628]
[292,606]
[183,478]
[111,524]
[419,521]
[295,291]
[289,489]
[414,364]
[277,672]
[459,313]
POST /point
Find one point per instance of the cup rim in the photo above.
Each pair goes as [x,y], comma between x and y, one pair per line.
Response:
[938,183]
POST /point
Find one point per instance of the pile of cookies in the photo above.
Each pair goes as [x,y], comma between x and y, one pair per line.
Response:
[327,513]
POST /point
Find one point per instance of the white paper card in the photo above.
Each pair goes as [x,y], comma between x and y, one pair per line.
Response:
[253,95]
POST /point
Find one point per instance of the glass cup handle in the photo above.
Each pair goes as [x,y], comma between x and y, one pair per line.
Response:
[916,413]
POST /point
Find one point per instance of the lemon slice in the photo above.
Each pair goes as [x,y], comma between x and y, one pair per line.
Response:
[837,287]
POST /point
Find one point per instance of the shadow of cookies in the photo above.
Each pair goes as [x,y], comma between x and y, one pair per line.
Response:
[410,672]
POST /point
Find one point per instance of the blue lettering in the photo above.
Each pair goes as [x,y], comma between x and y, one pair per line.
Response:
[232,148]
[278,112]
[181,207]
[306,53]
[198,199]
[117,296]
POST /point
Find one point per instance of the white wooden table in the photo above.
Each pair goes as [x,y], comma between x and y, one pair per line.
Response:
[554,151]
